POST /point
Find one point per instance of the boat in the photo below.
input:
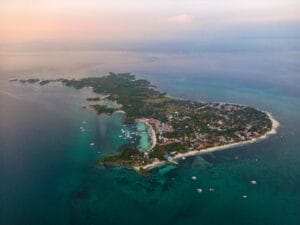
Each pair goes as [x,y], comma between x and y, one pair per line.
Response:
[253,182]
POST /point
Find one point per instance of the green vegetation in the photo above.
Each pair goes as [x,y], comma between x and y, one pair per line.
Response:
[101,109]
[31,81]
[180,125]
[129,156]
[93,99]
[132,94]
[44,82]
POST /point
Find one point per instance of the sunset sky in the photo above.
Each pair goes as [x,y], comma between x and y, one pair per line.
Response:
[78,21]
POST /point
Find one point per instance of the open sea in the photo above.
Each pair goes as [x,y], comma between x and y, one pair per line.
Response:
[49,171]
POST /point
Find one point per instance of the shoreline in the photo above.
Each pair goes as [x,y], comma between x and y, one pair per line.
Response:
[275,125]
[152,133]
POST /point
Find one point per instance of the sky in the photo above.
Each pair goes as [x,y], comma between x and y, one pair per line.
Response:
[135,21]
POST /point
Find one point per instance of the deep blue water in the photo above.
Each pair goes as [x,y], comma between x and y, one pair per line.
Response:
[49,172]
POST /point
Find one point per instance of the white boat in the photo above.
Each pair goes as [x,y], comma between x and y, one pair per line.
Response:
[253,182]
[199,190]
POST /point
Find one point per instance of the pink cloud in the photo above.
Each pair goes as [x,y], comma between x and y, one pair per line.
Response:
[182,18]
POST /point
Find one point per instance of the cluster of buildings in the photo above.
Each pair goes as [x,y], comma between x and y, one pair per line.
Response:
[200,132]
[246,135]
[159,126]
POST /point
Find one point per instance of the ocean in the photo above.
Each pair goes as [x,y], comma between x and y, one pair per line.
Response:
[49,171]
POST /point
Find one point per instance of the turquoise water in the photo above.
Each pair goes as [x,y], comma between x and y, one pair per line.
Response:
[145,140]
[50,173]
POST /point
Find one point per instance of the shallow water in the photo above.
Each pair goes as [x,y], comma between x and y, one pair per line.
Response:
[145,140]
[50,173]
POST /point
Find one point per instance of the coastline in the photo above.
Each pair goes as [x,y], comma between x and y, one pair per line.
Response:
[151,133]
[275,125]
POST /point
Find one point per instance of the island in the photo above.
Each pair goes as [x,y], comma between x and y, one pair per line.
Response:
[178,128]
